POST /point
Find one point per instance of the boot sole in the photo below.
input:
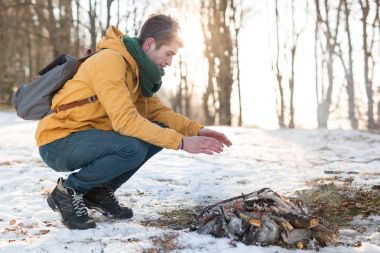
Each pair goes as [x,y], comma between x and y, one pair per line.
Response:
[54,207]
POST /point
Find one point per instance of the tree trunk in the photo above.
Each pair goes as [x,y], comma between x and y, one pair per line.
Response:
[240,121]
[109,3]
[92,28]
[276,67]
[219,50]
[235,14]
[350,72]
[291,88]
[323,110]
[77,49]
[209,116]
[367,52]
[296,33]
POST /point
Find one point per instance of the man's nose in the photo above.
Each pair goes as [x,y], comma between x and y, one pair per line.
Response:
[168,61]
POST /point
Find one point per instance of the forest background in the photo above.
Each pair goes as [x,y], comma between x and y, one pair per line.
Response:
[269,64]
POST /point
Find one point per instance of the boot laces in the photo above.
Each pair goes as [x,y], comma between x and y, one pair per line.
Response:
[111,194]
[78,204]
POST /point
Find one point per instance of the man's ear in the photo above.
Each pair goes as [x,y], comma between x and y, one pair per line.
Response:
[149,43]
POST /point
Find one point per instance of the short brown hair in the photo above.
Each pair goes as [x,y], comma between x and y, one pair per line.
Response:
[162,28]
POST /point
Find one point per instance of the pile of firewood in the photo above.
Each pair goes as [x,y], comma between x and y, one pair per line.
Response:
[265,218]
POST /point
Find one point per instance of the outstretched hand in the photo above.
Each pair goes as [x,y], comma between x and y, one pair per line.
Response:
[208,142]
[216,135]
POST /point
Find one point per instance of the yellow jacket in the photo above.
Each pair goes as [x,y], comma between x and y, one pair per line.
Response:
[113,76]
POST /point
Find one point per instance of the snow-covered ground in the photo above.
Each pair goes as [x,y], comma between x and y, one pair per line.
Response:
[279,159]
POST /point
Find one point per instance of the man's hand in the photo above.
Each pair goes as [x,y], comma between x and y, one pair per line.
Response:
[216,135]
[201,144]
[208,142]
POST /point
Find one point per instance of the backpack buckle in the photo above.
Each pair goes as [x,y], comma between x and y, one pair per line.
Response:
[92,99]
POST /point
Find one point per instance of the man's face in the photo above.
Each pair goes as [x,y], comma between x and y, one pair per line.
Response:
[163,56]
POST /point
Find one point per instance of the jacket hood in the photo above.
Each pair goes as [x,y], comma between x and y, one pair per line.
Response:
[114,40]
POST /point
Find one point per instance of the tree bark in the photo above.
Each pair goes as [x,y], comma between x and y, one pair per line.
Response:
[109,4]
[276,68]
[92,28]
[219,51]
[323,110]
[364,6]
[235,14]
[349,72]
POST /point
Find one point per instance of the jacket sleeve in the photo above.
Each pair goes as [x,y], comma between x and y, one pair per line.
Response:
[157,111]
[109,83]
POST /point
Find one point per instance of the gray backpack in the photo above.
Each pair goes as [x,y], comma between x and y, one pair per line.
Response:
[32,101]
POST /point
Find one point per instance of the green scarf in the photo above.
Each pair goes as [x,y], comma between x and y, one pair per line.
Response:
[150,74]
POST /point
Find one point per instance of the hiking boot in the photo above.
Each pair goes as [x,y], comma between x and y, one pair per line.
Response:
[71,207]
[104,201]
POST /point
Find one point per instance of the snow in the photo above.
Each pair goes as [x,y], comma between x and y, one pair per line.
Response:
[279,159]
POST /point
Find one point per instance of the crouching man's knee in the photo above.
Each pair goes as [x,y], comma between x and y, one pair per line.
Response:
[135,153]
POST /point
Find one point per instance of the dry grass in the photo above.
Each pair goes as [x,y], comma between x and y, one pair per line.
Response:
[177,219]
[338,200]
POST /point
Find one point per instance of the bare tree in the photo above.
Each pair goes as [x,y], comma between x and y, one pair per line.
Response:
[238,14]
[219,51]
[8,16]
[288,48]
[118,13]
[348,68]
[109,3]
[181,101]
[57,20]
[330,35]
[77,29]
[377,20]
[134,15]
[293,49]
[92,6]
[210,96]
[368,61]
[18,45]
[2,48]
[278,73]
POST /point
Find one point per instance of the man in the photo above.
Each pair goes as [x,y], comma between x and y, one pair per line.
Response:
[108,122]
